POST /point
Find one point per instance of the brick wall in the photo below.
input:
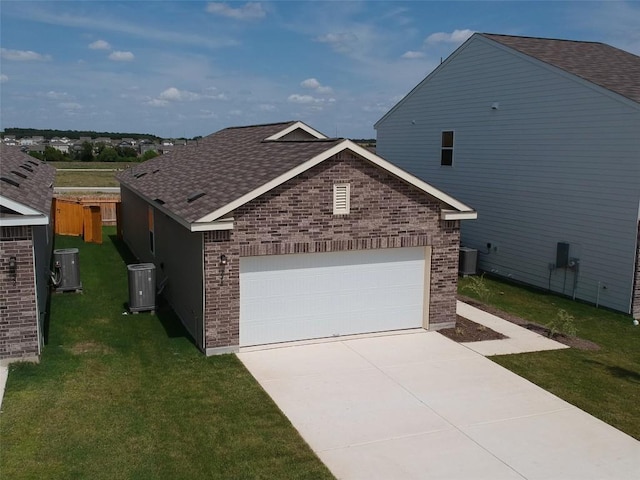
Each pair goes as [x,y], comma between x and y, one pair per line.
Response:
[18,311]
[297,217]
[635,309]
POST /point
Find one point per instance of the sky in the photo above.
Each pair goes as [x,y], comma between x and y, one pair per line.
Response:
[183,69]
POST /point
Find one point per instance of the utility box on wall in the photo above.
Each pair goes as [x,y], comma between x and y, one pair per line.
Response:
[142,287]
[66,268]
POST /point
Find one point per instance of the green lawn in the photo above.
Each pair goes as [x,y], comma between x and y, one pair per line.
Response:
[86,179]
[85,165]
[130,397]
[605,383]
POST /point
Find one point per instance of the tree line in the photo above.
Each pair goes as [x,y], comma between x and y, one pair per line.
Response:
[75,134]
[100,152]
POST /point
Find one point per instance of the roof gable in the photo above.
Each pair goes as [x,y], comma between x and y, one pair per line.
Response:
[26,188]
[203,183]
[598,63]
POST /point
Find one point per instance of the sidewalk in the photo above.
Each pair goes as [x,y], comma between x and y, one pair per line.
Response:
[520,340]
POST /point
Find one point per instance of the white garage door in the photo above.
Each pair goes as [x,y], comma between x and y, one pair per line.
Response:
[298,297]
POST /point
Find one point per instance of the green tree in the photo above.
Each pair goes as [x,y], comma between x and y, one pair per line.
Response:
[127,153]
[54,155]
[38,155]
[108,154]
[148,155]
[86,153]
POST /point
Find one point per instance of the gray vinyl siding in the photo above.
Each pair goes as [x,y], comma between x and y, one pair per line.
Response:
[177,257]
[42,250]
[558,161]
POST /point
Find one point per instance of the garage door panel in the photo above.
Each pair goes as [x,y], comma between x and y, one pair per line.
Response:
[294,297]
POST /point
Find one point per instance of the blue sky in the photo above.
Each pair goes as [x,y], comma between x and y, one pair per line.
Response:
[178,69]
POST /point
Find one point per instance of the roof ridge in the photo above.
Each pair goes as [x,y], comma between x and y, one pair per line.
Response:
[485,34]
[260,125]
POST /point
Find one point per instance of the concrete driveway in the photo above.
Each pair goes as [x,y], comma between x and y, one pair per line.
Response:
[418,405]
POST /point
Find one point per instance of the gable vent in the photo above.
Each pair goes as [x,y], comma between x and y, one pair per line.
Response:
[196,196]
[10,181]
[341,198]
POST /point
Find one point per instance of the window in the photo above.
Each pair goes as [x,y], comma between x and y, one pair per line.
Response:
[152,240]
[341,200]
[446,155]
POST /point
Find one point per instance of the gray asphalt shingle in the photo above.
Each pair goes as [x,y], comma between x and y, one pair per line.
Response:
[26,180]
[223,166]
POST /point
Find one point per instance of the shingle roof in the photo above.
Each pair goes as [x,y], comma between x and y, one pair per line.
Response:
[602,64]
[195,180]
[26,180]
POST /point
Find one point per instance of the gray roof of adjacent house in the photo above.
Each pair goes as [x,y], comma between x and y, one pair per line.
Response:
[598,63]
[25,180]
[205,181]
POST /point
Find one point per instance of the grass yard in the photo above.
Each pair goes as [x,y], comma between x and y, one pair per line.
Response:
[86,179]
[605,383]
[93,165]
[130,397]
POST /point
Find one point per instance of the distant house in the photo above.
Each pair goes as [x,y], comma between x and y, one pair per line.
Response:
[542,137]
[274,233]
[60,145]
[10,140]
[26,242]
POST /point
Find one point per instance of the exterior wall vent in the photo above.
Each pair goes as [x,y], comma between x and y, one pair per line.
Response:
[341,198]
[468,263]
[142,287]
[66,262]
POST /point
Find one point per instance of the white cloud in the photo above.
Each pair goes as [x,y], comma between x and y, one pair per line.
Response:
[23,55]
[456,37]
[265,107]
[3,78]
[156,102]
[249,11]
[342,42]
[121,56]
[56,95]
[295,98]
[412,54]
[313,84]
[100,45]
[70,106]
[172,94]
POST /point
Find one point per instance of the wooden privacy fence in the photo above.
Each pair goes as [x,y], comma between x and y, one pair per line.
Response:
[84,216]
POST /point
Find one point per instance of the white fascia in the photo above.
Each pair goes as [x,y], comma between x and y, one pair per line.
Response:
[25,215]
[454,215]
[296,126]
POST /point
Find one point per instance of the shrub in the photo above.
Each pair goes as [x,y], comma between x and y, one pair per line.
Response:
[563,323]
[478,285]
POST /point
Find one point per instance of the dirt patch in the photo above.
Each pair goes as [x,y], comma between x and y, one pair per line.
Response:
[574,342]
[468,331]
[89,347]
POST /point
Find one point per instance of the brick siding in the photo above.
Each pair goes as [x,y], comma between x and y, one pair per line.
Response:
[18,311]
[297,217]
[636,286]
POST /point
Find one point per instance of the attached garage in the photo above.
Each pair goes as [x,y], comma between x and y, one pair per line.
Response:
[293,236]
[305,296]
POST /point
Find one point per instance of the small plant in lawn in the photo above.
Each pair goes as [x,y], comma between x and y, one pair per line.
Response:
[563,323]
[478,285]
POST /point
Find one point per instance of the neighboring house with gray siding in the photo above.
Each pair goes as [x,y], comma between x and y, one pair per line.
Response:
[26,245]
[275,233]
[542,137]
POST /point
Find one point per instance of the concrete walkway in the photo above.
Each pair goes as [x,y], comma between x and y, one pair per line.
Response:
[417,405]
[520,340]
